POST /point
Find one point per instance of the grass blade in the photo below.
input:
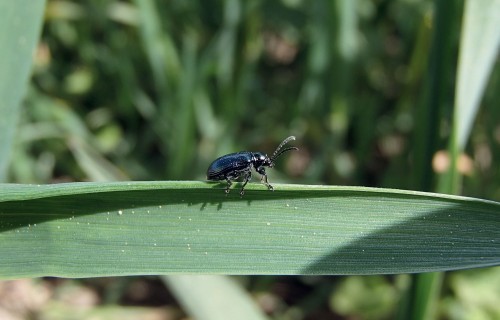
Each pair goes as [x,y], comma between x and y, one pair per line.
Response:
[102,229]
[213,297]
[478,54]
[20,23]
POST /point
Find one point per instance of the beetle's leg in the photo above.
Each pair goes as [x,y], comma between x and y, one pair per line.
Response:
[248,177]
[228,185]
[263,179]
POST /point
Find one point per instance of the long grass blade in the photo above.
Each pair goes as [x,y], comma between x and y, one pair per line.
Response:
[126,228]
[20,23]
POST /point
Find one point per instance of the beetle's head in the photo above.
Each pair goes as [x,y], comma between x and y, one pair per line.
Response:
[262,160]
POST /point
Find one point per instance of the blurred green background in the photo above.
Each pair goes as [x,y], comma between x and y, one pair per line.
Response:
[156,90]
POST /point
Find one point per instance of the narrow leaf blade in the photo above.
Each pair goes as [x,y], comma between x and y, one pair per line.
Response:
[104,229]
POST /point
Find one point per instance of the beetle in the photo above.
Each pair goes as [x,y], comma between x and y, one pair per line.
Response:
[234,165]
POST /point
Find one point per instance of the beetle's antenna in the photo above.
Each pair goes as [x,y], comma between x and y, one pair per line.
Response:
[283,151]
[277,153]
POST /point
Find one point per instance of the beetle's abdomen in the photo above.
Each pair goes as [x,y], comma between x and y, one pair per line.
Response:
[229,165]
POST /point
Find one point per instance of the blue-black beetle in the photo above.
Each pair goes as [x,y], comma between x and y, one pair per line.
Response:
[234,165]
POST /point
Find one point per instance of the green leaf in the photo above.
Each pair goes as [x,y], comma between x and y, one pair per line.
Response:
[479,46]
[127,228]
[213,297]
[20,23]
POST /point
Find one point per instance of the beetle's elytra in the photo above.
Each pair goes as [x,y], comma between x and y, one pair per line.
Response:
[234,165]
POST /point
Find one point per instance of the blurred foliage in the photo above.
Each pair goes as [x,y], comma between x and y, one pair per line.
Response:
[155,90]
[370,298]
